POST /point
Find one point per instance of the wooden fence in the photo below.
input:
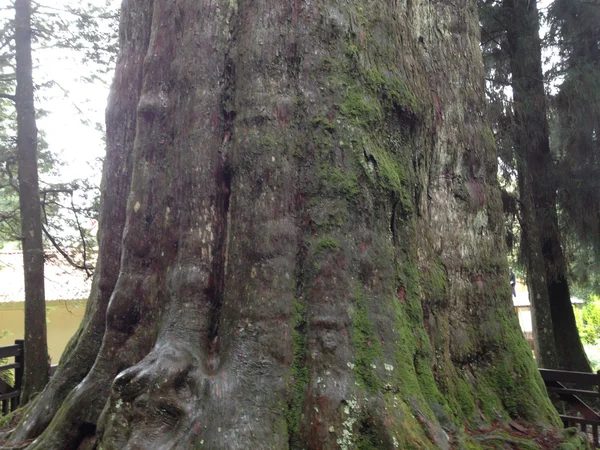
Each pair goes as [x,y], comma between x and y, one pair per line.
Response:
[570,387]
[9,395]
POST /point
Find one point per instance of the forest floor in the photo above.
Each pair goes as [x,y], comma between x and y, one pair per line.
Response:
[7,424]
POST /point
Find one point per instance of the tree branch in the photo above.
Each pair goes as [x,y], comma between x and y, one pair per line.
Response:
[81,236]
[8,97]
[62,252]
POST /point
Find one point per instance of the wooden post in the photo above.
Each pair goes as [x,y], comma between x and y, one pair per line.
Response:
[20,360]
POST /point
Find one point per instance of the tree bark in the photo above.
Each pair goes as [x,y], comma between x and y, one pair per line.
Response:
[541,313]
[538,184]
[36,368]
[311,251]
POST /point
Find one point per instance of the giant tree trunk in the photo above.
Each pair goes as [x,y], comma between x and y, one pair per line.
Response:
[36,350]
[312,240]
[538,188]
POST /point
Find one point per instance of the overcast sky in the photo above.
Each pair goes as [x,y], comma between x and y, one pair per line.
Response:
[70,103]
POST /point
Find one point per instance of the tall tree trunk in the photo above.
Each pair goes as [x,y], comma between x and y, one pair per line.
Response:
[541,313]
[533,148]
[36,349]
[312,246]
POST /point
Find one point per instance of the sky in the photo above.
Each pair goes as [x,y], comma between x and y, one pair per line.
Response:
[70,103]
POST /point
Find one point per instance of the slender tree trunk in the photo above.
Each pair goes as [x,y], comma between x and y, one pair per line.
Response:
[533,147]
[311,250]
[36,349]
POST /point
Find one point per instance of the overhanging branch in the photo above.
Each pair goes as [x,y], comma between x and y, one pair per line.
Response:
[63,253]
[8,96]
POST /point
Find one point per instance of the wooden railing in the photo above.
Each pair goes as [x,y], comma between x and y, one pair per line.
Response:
[9,395]
[570,387]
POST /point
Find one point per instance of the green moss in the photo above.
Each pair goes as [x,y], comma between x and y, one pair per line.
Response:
[320,121]
[573,440]
[435,281]
[362,108]
[407,432]
[488,139]
[327,64]
[510,383]
[338,182]
[299,373]
[465,399]
[352,52]
[413,359]
[367,346]
[327,244]
[391,176]
[393,89]
[500,439]
[368,435]
[7,420]
[269,143]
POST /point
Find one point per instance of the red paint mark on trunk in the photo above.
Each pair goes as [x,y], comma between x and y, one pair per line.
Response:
[402,294]
[361,37]
[295,10]
[479,282]
[477,192]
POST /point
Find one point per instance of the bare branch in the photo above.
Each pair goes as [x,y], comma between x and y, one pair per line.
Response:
[8,96]
[63,253]
[82,237]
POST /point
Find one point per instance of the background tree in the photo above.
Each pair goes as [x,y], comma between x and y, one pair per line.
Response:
[510,37]
[69,206]
[36,367]
[88,32]
[300,237]
[575,32]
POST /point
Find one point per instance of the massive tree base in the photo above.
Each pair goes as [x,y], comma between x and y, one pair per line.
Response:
[301,238]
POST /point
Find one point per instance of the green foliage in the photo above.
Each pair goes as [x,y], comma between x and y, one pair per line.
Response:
[575,126]
[588,322]
[10,227]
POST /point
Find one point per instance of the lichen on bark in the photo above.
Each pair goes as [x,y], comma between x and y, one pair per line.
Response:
[310,246]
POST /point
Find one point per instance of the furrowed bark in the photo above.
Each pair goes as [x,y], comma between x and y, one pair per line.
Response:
[310,257]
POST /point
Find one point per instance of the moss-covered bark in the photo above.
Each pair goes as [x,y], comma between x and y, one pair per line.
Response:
[312,251]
